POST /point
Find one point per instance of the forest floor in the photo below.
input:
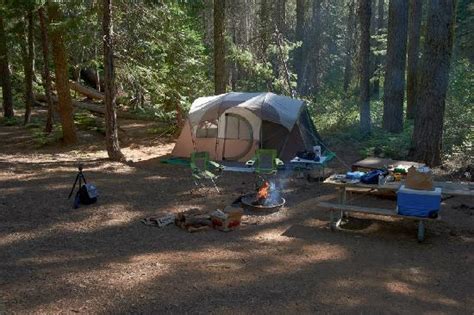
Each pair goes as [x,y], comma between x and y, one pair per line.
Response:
[102,259]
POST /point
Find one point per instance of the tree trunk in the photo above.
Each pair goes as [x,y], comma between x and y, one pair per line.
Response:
[264,39]
[364,20]
[279,15]
[28,67]
[311,56]
[315,57]
[5,74]
[46,75]
[394,87]
[378,58]
[373,20]
[414,25]
[299,36]
[61,71]
[432,82]
[219,47]
[111,128]
[350,29]
[373,31]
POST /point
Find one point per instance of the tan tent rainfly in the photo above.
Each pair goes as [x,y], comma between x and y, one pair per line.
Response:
[232,126]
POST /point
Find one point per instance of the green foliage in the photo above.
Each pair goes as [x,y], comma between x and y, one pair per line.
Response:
[163,130]
[86,121]
[337,118]
[13,121]
[258,74]
[331,111]
[384,144]
[36,128]
[42,138]
[263,74]
[459,115]
[163,62]
[464,29]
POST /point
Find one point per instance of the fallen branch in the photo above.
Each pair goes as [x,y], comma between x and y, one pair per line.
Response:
[92,107]
[84,90]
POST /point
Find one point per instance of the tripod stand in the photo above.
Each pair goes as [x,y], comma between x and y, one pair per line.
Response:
[79,178]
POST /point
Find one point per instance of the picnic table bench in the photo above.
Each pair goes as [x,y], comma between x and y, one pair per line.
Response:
[374,211]
[447,188]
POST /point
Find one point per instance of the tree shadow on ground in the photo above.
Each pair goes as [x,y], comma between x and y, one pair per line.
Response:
[100,258]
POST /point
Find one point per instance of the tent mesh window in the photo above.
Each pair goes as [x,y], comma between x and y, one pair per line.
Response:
[237,128]
[207,129]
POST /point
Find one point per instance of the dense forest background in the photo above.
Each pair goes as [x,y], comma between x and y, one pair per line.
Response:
[394,76]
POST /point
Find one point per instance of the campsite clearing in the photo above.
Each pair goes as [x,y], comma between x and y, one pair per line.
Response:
[100,258]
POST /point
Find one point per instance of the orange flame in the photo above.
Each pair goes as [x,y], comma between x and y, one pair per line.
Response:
[263,191]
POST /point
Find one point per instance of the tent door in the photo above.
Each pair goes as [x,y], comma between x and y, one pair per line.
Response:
[274,136]
[238,137]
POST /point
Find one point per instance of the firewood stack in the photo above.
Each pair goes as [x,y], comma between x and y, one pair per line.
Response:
[193,220]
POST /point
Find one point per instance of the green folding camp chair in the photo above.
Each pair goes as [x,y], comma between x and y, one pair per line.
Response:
[200,165]
[266,163]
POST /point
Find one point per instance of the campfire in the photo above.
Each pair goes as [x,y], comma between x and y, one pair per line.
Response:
[267,197]
[262,194]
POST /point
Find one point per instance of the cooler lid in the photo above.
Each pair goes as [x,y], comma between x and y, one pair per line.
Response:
[435,192]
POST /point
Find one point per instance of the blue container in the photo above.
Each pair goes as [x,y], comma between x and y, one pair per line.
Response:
[418,203]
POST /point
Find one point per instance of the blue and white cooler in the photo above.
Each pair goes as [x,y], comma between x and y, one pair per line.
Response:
[418,203]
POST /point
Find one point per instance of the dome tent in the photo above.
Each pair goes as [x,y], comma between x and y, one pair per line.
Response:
[232,126]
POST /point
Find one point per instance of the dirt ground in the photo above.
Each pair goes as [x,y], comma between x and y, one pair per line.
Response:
[102,259]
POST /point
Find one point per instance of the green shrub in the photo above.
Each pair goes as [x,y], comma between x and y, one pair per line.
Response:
[13,121]
[86,121]
[458,134]
[42,138]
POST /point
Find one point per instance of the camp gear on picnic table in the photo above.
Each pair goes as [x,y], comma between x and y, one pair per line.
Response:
[419,178]
[200,168]
[354,175]
[343,185]
[344,209]
[418,203]
[372,163]
[307,155]
[373,177]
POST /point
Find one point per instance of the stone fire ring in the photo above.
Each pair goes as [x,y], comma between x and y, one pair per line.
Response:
[249,198]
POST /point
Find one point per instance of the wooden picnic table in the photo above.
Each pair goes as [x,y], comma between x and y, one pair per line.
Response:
[447,188]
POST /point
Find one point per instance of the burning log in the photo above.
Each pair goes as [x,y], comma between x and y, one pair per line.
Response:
[262,194]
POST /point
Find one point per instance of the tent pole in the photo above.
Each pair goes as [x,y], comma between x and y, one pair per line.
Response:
[217,140]
[286,141]
[192,136]
[225,136]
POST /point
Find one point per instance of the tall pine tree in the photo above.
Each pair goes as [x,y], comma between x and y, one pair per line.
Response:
[111,125]
[432,82]
[394,86]
[364,13]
